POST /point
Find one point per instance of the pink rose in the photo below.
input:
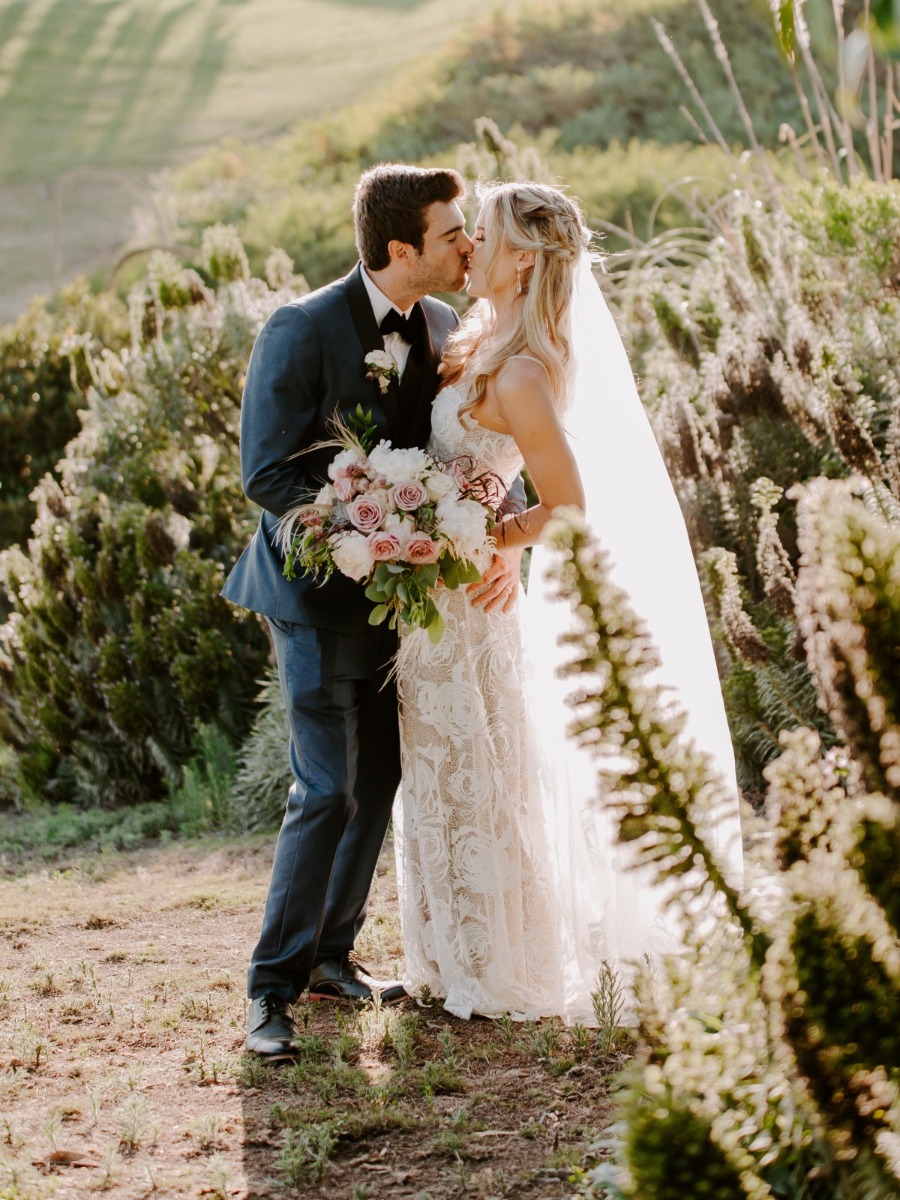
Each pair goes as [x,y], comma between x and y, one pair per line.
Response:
[384,546]
[457,473]
[421,549]
[365,513]
[408,496]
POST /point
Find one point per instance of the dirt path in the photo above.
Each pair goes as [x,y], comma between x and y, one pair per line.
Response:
[122,1073]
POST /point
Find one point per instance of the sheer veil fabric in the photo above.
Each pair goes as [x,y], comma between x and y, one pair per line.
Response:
[609,908]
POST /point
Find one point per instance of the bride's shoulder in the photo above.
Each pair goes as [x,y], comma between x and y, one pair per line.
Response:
[522,370]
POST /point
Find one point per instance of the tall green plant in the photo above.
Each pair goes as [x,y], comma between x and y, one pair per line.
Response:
[767,353]
[769,1049]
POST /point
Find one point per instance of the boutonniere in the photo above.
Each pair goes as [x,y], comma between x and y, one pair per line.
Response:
[383,367]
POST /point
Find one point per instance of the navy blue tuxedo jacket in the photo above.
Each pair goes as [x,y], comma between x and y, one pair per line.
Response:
[308,366]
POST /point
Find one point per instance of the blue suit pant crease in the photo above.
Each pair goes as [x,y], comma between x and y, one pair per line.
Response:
[345,759]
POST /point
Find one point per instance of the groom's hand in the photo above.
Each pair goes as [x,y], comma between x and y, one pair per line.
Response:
[499,585]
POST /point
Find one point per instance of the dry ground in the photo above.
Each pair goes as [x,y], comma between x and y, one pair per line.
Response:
[122,1072]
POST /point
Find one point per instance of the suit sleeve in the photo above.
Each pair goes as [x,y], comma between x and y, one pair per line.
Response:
[279,408]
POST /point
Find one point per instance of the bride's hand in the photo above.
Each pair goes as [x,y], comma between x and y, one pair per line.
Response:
[499,585]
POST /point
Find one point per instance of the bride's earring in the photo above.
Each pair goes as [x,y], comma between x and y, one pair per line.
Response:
[518,279]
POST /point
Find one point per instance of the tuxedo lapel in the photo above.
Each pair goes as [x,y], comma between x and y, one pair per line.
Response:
[371,338]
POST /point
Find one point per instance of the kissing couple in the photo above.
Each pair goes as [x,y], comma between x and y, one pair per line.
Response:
[512,890]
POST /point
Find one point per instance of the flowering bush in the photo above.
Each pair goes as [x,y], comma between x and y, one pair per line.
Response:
[399,521]
[770,1059]
[769,362]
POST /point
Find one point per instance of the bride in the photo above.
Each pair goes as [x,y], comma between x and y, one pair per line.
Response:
[512,890]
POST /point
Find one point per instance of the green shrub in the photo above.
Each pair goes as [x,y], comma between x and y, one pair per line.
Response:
[119,649]
[39,398]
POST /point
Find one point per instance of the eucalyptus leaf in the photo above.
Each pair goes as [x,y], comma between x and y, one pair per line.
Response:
[378,614]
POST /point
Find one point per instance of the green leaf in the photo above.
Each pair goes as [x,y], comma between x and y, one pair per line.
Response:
[468,573]
[449,572]
[378,614]
[785,32]
[375,592]
[436,628]
[428,575]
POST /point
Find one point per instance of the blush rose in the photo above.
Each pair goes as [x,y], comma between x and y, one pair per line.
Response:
[365,513]
[421,549]
[409,495]
[384,546]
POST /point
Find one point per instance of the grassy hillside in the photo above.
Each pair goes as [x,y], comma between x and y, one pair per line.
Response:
[586,82]
[127,85]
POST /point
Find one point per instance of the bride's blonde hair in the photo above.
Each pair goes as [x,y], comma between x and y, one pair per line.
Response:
[542,219]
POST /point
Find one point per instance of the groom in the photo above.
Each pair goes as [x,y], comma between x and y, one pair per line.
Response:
[308,365]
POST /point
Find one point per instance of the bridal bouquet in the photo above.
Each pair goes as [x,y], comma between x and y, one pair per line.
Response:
[400,521]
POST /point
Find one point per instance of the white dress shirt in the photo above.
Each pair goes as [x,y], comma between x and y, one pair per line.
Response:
[398,347]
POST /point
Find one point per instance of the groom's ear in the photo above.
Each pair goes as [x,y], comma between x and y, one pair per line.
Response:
[401,251]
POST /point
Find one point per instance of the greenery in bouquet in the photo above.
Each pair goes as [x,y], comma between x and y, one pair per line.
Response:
[399,521]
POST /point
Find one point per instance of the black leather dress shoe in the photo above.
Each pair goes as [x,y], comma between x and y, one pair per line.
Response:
[345,979]
[270,1027]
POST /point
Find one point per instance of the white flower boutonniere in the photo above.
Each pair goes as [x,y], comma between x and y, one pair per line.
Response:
[383,367]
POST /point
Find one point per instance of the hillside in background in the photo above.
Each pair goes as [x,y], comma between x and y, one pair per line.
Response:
[588,85]
[96,95]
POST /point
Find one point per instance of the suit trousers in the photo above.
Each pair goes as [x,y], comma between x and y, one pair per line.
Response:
[345,759]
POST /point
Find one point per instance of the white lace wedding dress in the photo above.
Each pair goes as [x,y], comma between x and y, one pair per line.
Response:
[491,922]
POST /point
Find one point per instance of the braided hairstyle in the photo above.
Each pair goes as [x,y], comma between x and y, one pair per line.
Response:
[542,219]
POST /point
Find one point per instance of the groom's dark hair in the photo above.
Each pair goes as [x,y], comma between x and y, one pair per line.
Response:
[390,205]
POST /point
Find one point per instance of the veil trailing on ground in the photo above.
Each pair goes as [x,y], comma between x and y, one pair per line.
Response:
[633,511]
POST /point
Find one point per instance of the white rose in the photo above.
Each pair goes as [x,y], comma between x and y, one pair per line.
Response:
[403,527]
[439,484]
[351,457]
[352,555]
[464,524]
[327,495]
[381,360]
[397,466]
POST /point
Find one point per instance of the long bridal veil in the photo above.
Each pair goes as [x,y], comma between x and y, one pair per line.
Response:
[611,909]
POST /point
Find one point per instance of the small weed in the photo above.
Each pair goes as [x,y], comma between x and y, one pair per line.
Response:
[252,1071]
[306,1154]
[207,1132]
[53,1129]
[609,1005]
[136,1127]
[559,1066]
[46,985]
[220,1175]
[404,1036]
[10,1135]
[530,1130]
[507,1028]
[448,1045]
[361,1192]
[110,1166]
[542,1042]
[440,1079]
[580,1037]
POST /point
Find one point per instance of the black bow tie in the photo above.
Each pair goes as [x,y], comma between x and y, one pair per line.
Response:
[394,322]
